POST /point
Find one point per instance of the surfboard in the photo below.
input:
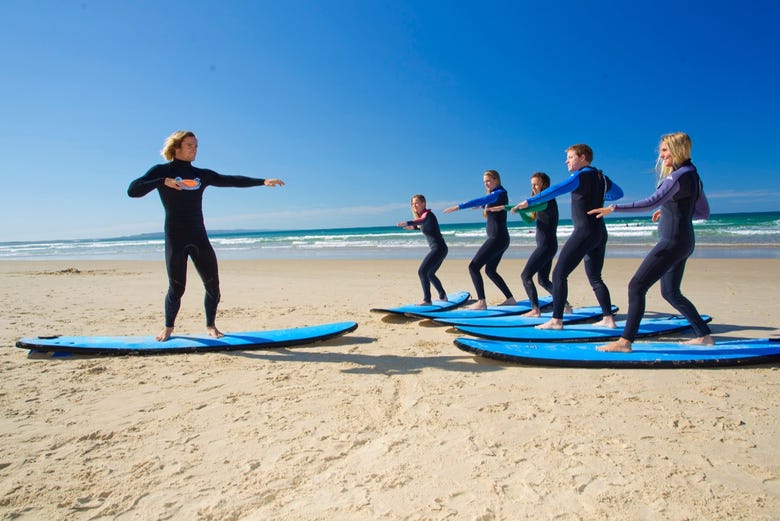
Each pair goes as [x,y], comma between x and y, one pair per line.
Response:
[492,311]
[644,354]
[453,300]
[583,314]
[581,332]
[148,345]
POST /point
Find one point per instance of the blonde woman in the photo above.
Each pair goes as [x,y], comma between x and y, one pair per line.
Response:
[680,194]
[425,221]
[490,253]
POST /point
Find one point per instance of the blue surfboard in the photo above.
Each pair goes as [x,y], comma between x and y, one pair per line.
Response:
[644,354]
[584,314]
[492,311]
[581,332]
[453,300]
[148,345]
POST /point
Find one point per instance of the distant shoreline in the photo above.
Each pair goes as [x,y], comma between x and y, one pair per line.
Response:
[747,235]
[617,251]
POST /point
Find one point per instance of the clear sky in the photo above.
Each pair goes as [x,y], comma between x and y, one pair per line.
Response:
[359,104]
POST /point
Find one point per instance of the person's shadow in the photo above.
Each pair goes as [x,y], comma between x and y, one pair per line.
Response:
[389,364]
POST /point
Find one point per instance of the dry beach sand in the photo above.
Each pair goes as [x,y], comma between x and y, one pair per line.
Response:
[389,422]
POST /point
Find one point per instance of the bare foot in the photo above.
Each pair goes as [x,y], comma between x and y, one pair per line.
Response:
[607,321]
[165,334]
[509,302]
[425,303]
[553,323]
[480,304]
[621,345]
[213,331]
[705,340]
[535,312]
[567,310]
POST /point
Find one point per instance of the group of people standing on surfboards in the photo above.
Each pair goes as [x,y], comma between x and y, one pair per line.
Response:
[679,194]
[678,200]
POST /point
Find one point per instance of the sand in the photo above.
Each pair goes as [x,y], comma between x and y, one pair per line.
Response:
[389,422]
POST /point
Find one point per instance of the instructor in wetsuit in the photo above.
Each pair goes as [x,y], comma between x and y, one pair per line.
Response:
[181,187]
[680,194]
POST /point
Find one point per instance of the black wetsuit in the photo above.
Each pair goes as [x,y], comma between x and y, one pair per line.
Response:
[429,225]
[682,199]
[540,260]
[490,253]
[185,232]
[589,188]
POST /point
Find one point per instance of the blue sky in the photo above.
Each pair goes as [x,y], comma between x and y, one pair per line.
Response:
[357,105]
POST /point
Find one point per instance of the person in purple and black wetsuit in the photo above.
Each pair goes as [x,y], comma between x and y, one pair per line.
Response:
[589,188]
[426,222]
[680,194]
[491,251]
[180,186]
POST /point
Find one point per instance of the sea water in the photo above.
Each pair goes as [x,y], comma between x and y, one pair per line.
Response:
[736,235]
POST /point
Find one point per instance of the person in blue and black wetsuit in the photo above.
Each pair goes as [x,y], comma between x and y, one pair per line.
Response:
[180,186]
[490,253]
[425,221]
[589,188]
[680,194]
[540,261]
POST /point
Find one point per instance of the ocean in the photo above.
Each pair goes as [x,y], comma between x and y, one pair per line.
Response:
[736,235]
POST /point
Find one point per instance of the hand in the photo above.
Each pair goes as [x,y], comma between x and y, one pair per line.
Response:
[273,182]
[495,209]
[601,212]
[172,183]
[451,209]
[656,215]
[520,206]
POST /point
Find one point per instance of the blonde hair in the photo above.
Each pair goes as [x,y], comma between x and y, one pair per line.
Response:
[173,142]
[679,145]
[492,174]
[419,197]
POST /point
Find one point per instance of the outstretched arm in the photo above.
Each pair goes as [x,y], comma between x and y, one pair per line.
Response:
[667,189]
[237,181]
[490,198]
[564,187]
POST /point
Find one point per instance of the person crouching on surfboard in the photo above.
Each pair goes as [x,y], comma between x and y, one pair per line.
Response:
[426,222]
[680,194]
[180,186]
